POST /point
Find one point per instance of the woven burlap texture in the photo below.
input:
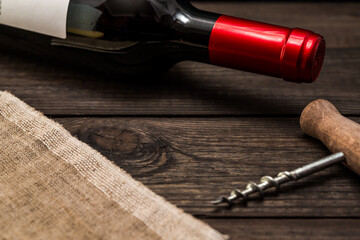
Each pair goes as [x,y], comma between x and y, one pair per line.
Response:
[53,186]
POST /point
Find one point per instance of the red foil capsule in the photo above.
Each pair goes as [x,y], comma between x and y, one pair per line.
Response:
[295,55]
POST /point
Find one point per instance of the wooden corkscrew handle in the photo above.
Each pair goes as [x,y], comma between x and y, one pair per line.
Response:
[321,119]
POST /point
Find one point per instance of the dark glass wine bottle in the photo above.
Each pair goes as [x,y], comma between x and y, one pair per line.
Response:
[141,36]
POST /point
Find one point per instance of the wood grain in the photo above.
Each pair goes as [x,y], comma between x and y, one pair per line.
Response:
[218,128]
[188,89]
[191,161]
[286,229]
[323,121]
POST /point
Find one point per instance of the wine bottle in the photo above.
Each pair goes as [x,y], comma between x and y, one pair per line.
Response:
[140,36]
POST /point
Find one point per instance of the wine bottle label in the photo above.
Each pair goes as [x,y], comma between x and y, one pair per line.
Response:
[41,16]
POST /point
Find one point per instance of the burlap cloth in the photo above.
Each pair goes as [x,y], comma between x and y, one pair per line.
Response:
[52,186]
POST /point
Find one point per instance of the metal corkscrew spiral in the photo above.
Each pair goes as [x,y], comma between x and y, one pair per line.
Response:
[283,177]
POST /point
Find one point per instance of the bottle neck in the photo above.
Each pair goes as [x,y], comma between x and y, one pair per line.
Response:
[292,54]
[186,22]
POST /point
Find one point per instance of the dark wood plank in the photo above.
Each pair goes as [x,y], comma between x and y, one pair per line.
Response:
[288,229]
[188,89]
[192,161]
[198,89]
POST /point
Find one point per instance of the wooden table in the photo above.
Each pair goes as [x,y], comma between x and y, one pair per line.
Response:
[199,131]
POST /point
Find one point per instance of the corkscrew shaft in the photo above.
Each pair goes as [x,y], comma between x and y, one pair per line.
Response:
[283,177]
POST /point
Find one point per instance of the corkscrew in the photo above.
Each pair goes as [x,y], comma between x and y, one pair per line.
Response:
[283,177]
[320,119]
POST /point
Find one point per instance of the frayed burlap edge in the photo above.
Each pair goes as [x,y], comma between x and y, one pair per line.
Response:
[165,219]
